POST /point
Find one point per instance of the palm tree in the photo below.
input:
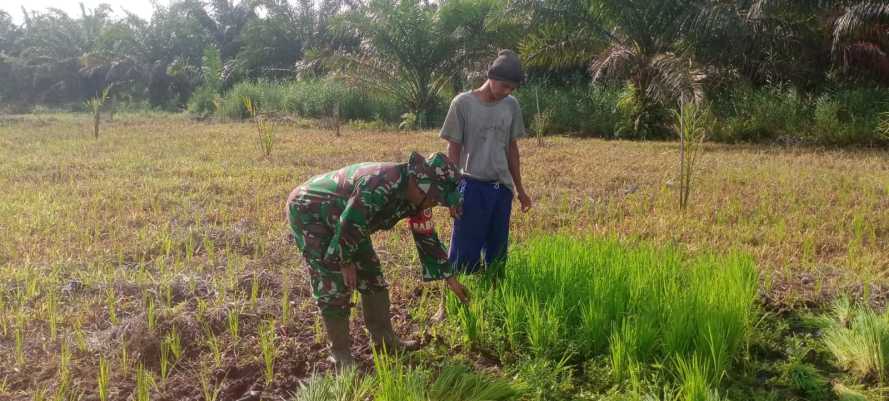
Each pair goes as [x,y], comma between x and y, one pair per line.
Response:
[411,50]
[861,38]
[636,41]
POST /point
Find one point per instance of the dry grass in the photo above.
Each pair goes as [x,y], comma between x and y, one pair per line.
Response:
[180,219]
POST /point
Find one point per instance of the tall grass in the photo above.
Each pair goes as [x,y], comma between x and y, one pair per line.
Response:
[560,296]
[313,99]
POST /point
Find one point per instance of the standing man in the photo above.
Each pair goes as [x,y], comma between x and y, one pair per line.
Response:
[481,128]
[332,216]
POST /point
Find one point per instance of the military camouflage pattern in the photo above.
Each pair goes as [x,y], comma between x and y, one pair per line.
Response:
[333,215]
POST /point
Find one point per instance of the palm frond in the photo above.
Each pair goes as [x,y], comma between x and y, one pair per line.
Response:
[676,78]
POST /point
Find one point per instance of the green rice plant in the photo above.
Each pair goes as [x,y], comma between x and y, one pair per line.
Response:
[52,314]
[859,340]
[19,345]
[63,377]
[268,346]
[144,384]
[150,312]
[458,383]
[640,305]
[170,353]
[208,389]
[215,350]
[111,304]
[103,378]
[233,317]
[285,303]
[123,363]
[254,289]
[347,385]
[693,376]
[395,382]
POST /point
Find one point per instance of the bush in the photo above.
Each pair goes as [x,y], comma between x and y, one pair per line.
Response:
[314,99]
[778,113]
[578,108]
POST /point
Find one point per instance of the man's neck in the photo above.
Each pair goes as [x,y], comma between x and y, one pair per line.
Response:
[484,94]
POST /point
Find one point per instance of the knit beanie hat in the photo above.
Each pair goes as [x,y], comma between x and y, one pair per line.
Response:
[507,67]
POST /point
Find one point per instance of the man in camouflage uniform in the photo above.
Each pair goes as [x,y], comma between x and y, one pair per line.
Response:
[332,216]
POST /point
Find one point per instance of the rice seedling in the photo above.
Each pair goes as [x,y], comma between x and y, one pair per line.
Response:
[859,340]
[150,312]
[458,383]
[254,289]
[347,385]
[63,377]
[20,338]
[103,378]
[285,303]
[233,318]
[51,306]
[144,384]
[111,304]
[268,346]
[213,345]
[208,389]
[395,382]
[170,352]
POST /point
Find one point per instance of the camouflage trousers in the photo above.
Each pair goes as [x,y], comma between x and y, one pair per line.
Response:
[328,287]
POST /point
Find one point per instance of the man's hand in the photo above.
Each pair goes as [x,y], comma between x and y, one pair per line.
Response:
[350,276]
[458,289]
[525,200]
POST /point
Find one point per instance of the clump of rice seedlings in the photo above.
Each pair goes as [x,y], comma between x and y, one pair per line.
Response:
[347,385]
[694,377]
[859,340]
[395,382]
[144,384]
[458,383]
[640,305]
[268,347]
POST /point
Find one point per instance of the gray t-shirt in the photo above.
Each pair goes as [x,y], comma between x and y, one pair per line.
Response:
[485,131]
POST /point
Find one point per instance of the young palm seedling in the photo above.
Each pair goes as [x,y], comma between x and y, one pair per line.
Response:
[263,128]
[692,123]
[95,104]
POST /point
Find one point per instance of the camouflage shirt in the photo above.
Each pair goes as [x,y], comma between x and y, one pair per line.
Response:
[361,199]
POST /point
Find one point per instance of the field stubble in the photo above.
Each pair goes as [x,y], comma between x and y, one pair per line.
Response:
[166,230]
